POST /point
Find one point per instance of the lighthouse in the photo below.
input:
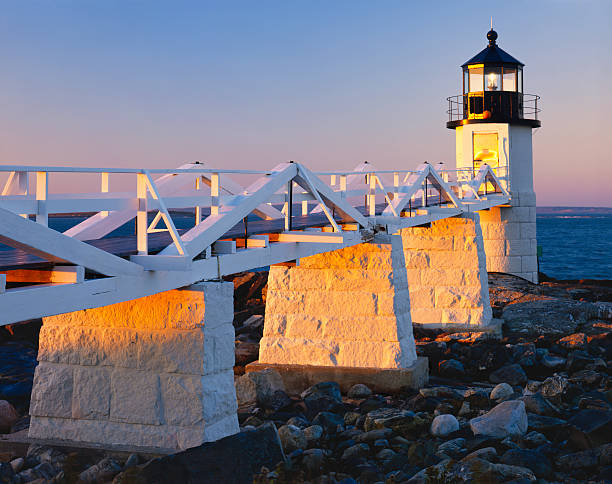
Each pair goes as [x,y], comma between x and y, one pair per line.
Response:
[494,120]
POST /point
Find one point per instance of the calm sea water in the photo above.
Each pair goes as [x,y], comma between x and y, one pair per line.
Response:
[576,243]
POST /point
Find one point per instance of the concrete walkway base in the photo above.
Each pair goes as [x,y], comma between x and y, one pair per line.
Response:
[298,378]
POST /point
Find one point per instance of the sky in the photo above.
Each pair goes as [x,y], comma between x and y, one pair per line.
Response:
[330,83]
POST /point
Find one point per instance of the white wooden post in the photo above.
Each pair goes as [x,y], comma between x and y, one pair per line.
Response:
[141,215]
[343,186]
[214,194]
[304,207]
[395,186]
[198,209]
[372,195]
[104,189]
[42,216]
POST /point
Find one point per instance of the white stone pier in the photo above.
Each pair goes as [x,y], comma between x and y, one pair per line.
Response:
[447,275]
[155,372]
[346,310]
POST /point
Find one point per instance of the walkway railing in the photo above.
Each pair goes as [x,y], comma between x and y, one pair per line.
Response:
[279,215]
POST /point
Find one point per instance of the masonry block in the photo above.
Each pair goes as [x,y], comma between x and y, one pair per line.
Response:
[449,285]
[345,308]
[156,371]
[516,227]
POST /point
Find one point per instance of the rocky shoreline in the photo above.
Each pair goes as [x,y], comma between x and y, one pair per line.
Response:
[535,405]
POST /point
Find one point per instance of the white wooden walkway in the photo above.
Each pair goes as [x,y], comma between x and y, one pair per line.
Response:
[300,213]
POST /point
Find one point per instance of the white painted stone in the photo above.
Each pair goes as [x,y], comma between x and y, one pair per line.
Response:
[155,372]
[447,278]
[349,307]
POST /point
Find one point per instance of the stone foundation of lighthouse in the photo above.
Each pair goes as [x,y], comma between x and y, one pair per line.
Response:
[154,372]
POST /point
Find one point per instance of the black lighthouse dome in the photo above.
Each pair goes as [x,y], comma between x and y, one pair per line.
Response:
[493,90]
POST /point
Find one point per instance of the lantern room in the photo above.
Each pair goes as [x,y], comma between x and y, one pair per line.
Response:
[493,90]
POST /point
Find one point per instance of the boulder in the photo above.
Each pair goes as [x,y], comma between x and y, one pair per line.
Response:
[531,459]
[473,469]
[553,362]
[507,418]
[511,374]
[536,403]
[501,392]
[258,387]
[8,416]
[292,438]
[451,368]
[103,471]
[590,428]
[359,391]
[576,341]
[232,460]
[443,425]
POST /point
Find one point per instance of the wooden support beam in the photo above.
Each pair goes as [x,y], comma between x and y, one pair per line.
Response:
[310,237]
[56,247]
[57,275]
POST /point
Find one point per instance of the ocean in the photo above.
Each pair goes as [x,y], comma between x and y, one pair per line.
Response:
[575,242]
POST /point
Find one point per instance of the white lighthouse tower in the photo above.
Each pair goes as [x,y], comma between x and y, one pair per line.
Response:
[493,120]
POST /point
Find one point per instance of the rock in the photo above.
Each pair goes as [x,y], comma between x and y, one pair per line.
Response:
[553,362]
[327,389]
[451,368]
[313,433]
[298,422]
[292,438]
[511,374]
[8,416]
[576,341]
[531,459]
[441,392]
[501,392]
[132,460]
[359,391]
[254,322]
[472,470]
[535,439]
[547,315]
[7,473]
[443,425]
[17,464]
[258,387]
[477,398]
[350,418]
[374,435]
[536,403]
[549,426]
[313,460]
[486,453]
[451,448]
[578,460]
[330,422]
[590,428]
[386,417]
[556,388]
[532,387]
[322,397]
[101,472]
[507,418]
[356,451]
[236,458]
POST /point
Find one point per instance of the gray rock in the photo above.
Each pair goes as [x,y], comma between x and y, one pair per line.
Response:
[451,448]
[359,391]
[536,403]
[555,387]
[547,316]
[373,435]
[511,374]
[258,387]
[387,417]
[443,425]
[553,362]
[501,392]
[385,454]
[472,470]
[292,438]
[103,471]
[356,451]
[17,464]
[313,460]
[451,368]
[507,418]
[313,433]
[132,460]
[486,453]
[531,459]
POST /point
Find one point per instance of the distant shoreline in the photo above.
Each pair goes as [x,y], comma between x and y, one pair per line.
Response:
[574,210]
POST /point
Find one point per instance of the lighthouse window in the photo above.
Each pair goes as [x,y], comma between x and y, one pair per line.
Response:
[520,80]
[509,82]
[493,79]
[476,81]
[485,150]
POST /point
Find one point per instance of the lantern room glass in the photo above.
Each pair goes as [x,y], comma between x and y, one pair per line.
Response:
[509,79]
[493,79]
[476,80]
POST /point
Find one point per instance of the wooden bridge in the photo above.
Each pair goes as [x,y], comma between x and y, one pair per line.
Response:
[284,214]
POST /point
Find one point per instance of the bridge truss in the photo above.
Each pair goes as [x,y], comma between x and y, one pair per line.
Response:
[282,215]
